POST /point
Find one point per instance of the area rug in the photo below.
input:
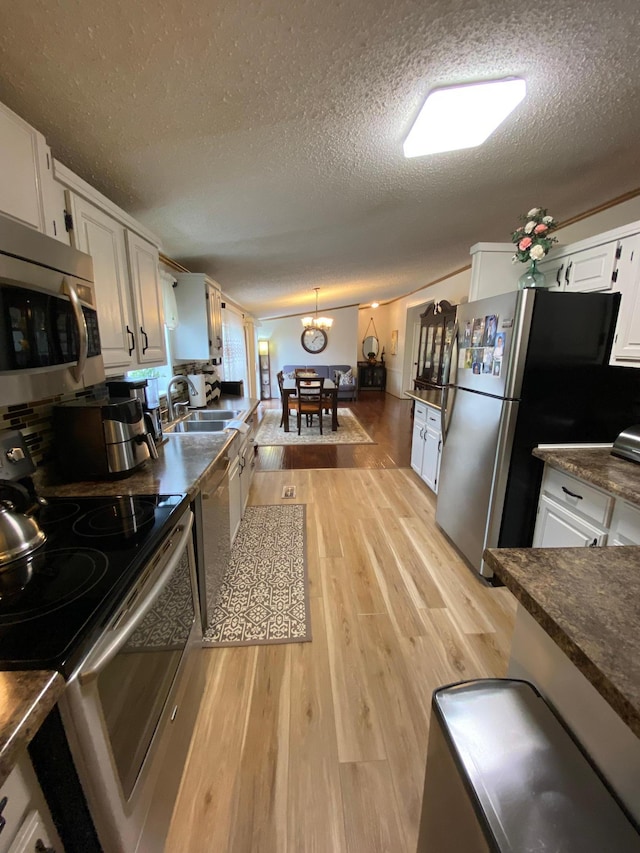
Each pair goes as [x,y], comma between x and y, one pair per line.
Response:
[264,597]
[350,430]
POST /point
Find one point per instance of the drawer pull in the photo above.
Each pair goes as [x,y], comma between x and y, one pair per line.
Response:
[571,494]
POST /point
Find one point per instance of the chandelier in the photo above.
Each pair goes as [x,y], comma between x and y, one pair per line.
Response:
[316,322]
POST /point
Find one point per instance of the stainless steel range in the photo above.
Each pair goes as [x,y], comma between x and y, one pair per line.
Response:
[110,601]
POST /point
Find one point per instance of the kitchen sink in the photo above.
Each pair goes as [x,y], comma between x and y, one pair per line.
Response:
[189,425]
[212,415]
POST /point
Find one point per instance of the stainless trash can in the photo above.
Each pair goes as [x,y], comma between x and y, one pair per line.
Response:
[503,775]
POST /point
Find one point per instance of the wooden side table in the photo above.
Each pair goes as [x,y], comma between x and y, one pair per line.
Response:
[371,377]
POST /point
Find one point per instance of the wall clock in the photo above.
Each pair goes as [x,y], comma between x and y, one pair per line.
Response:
[314,340]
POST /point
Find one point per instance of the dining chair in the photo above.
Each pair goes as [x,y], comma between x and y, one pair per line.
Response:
[291,405]
[310,400]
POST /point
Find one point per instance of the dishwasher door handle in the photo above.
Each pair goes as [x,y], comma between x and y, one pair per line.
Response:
[208,488]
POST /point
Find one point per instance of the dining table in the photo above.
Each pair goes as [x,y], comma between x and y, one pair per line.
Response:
[289,390]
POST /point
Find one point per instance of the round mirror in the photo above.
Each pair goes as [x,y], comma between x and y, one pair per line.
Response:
[370,345]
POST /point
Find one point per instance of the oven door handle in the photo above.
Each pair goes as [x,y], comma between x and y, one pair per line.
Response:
[115,638]
[81,323]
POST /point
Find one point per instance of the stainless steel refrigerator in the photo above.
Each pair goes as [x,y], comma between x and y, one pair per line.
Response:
[528,367]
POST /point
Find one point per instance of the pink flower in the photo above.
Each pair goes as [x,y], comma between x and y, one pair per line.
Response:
[540,229]
[524,243]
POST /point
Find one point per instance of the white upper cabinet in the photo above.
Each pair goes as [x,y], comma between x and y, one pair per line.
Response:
[29,194]
[553,269]
[626,345]
[128,294]
[587,270]
[20,167]
[591,270]
[100,236]
[198,336]
[147,296]
[606,263]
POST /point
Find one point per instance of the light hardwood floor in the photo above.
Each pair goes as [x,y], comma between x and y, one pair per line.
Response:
[321,746]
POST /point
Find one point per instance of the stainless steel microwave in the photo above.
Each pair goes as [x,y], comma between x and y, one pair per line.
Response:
[49,337]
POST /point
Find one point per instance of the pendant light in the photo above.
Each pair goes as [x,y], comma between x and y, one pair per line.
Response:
[316,322]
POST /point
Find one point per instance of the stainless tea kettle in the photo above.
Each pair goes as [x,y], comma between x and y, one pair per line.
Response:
[20,534]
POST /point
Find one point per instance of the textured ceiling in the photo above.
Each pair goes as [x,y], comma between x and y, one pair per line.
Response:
[262,141]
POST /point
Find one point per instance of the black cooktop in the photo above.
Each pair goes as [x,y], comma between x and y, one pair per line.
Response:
[53,605]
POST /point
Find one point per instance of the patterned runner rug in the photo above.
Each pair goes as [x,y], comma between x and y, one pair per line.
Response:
[265,598]
[350,430]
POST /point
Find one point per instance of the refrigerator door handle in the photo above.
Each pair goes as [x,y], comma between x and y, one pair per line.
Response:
[452,373]
[453,367]
[448,402]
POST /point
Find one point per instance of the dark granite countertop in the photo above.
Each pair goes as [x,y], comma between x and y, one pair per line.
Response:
[183,459]
[25,700]
[597,466]
[587,600]
[432,396]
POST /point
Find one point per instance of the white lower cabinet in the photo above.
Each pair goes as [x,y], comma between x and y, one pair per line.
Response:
[28,824]
[426,445]
[574,514]
[556,527]
[625,524]
[127,284]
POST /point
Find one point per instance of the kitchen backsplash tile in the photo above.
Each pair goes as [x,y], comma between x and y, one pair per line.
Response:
[34,420]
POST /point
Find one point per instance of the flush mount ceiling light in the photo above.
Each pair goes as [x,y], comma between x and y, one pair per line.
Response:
[462,116]
[317,322]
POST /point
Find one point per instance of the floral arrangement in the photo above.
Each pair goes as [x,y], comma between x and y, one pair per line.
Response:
[532,237]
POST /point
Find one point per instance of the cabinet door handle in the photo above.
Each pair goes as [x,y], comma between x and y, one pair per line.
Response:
[3,820]
[559,275]
[571,494]
[146,340]
[132,340]
[566,274]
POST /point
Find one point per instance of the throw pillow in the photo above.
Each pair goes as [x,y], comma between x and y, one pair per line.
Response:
[345,378]
[290,375]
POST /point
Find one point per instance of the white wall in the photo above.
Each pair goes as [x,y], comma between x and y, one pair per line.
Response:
[401,315]
[285,347]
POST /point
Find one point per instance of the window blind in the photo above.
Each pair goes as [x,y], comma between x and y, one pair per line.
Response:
[234,348]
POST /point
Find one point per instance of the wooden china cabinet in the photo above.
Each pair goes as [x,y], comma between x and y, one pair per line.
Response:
[436,333]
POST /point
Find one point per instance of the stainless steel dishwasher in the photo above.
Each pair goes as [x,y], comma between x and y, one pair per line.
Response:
[213,540]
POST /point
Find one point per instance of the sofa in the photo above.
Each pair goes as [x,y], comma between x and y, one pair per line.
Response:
[346,391]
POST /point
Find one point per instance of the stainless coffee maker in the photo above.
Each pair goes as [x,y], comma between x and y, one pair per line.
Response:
[101,438]
[145,390]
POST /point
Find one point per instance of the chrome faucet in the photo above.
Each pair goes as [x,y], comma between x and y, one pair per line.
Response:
[172,381]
